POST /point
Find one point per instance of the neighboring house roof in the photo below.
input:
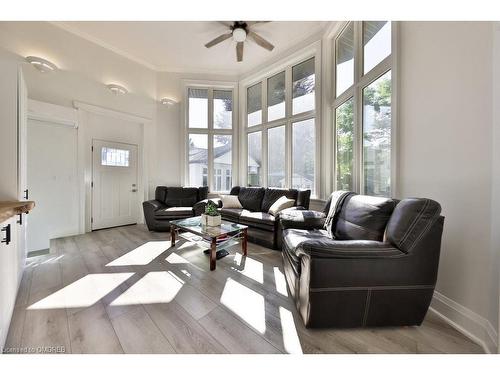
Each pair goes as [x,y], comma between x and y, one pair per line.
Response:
[200,155]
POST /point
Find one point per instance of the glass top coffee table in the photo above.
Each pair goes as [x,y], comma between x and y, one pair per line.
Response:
[218,237]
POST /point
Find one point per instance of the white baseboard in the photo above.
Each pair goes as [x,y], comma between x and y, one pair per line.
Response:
[471,324]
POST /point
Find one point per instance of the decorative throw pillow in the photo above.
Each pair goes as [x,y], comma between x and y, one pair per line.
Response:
[282,203]
[230,201]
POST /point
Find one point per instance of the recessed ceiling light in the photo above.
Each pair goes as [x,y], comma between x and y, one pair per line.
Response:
[167,101]
[117,89]
[42,65]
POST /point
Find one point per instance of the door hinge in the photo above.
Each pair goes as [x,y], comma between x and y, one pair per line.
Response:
[92,184]
[91,220]
[92,148]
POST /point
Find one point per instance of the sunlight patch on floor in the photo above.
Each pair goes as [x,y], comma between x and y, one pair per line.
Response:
[249,267]
[291,340]
[246,303]
[83,292]
[176,259]
[154,287]
[280,282]
[141,255]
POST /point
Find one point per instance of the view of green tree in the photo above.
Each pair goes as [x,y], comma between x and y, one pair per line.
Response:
[345,143]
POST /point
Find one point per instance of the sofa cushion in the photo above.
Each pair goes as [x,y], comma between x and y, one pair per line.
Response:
[232,214]
[171,212]
[251,198]
[202,193]
[258,219]
[230,201]
[410,220]
[272,195]
[293,238]
[363,217]
[280,205]
[181,197]
[161,193]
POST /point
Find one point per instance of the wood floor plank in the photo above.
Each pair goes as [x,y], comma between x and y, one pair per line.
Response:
[139,335]
[92,332]
[184,333]
[46,329]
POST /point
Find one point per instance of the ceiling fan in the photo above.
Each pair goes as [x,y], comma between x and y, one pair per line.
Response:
[240,32]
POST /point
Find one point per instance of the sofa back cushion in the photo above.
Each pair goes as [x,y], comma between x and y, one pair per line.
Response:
[251,197]
[202,193]
[181,197]
[272,195]
[363,217]
[409,222]
[161,193]
[303,198]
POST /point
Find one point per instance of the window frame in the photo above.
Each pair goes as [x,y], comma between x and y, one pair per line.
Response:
[211,131]
[286,65]
[355,91]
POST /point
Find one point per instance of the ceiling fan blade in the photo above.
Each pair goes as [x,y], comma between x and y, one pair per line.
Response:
[226,23]
[239,51]
[250,23]
[260,41]
[219,39]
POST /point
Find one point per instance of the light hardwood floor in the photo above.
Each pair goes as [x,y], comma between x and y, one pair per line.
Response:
[125,290]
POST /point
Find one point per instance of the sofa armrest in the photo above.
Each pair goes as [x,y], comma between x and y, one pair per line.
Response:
[150,207]
[301,219]
[351,249]
[199,207]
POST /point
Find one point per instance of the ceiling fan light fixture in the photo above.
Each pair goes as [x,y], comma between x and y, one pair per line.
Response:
[116,89]
[239,34]
[168,101]
[42,65]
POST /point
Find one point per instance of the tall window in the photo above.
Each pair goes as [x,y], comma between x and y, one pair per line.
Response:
[281,128]
[210,138]
[363,107]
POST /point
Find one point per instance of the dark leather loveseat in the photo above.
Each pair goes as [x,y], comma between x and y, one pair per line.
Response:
[377,268]
[256,201]
[172,203]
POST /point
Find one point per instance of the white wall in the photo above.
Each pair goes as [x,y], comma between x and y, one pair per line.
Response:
[445,145]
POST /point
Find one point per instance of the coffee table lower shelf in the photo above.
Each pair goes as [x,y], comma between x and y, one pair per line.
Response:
[218,238]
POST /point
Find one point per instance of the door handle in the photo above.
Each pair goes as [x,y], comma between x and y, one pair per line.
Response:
[134,190]
[26,194]
[20,221]
[6,229]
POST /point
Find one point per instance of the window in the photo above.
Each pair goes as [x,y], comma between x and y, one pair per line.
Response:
[222,160]
[254,158]
[198,159]
[344,49]
[303,148]
[223,109]
[344,118]
[198,108]
[210,137]
[276,97]
[276,157]
[254,105]
[363,143]
[303,85]
[114,157]
[377,136]
[281,144]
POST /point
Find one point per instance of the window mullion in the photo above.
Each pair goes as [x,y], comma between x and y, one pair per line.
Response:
[210,132]
[358,108]
[288,154]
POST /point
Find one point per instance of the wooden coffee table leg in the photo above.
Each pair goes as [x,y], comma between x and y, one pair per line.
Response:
[172,235]
[213,253]
[244,242]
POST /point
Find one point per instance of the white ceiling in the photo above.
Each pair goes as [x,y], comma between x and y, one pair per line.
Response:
[179,46]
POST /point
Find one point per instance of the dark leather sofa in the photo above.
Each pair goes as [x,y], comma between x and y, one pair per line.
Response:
[379,269]
[256,201]
[172,203]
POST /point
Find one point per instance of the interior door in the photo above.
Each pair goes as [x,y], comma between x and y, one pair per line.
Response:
[114,184]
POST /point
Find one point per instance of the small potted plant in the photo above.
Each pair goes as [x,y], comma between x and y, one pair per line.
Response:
[211,217]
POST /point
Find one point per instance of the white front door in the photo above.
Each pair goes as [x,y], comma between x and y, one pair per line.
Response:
[114,184]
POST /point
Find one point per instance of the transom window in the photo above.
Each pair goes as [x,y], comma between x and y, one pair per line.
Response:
[281,128]
[363,107]
[210,137]
[114,157]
